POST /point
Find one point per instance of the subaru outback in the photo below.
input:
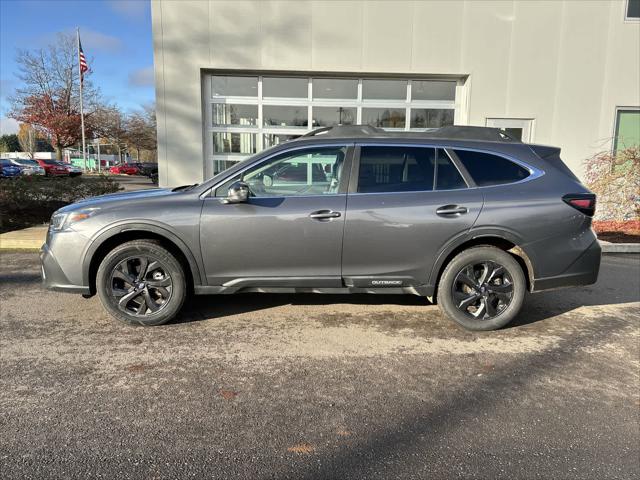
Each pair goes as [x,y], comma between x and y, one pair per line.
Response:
[465,216]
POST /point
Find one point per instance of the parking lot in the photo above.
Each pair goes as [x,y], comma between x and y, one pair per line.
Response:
[282,386]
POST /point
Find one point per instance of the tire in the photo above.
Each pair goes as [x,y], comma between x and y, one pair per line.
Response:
[477,305]
[150,298]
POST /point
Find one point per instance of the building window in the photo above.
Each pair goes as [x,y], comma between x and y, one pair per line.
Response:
[227,114]
[517,128]
[632,12]
[384,117]
[226,86]
[627,129]
[248,113]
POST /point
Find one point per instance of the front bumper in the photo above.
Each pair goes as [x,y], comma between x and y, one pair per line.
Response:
[62,274]
[583,271]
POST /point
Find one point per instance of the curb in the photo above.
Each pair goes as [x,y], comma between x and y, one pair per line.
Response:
[608,247]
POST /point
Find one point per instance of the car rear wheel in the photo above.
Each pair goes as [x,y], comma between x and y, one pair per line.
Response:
[482,288]
[141,283]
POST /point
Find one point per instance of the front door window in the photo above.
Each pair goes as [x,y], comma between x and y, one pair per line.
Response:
[313,171]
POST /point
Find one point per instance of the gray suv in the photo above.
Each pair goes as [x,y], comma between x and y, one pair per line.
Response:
[465,216]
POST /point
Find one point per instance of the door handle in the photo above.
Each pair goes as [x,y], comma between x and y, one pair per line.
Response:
[324,215]
[447,210]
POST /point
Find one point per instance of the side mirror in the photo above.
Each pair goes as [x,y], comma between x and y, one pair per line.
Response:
[238,193]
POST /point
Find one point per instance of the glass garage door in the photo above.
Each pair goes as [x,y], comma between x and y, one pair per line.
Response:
[248,113]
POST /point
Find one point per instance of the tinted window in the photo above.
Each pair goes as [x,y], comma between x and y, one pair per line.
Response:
[396,169]
[487,169]
[448,176]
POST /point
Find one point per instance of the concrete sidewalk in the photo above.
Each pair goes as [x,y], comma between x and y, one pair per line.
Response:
[33,238]
[25,239]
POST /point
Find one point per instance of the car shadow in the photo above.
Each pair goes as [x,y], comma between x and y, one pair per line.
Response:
[609,290]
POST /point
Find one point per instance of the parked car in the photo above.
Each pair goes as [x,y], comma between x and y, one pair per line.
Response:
[125,169]
[8,169]
[72,169]
[53,168]
[465,216]
[28,167]
[147,168]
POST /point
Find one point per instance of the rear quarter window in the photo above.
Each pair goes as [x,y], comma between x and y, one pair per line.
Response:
[487,169]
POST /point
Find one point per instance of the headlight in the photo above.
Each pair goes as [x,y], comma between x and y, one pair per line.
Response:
[60,221]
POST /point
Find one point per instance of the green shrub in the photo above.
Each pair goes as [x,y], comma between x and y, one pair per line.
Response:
[29,190]
[29,201]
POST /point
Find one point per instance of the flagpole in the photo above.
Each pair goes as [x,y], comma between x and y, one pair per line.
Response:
[84,149]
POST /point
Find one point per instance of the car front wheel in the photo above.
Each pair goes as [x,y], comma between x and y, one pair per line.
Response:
[482,288]
[141,283]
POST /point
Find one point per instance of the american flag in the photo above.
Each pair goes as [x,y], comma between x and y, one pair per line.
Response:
[83,61]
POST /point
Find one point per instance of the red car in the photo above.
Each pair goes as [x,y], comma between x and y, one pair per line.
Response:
[53,168]
[126,169]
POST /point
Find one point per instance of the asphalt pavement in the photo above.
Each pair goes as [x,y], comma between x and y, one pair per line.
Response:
[315,387]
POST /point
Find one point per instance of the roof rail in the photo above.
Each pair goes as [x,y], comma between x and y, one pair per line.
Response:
[464,132]
[345,131]
[452,132]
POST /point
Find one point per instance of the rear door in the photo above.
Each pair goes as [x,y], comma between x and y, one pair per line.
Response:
[405,203]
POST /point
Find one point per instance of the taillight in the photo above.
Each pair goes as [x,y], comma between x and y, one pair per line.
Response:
[583,202]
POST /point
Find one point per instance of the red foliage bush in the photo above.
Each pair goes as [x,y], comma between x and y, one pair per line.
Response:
[631,227]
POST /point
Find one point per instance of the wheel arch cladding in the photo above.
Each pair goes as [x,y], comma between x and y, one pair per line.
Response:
[492,241]
[105,245]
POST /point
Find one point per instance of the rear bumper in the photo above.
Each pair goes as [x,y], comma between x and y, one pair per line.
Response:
[583,271]
[53,277]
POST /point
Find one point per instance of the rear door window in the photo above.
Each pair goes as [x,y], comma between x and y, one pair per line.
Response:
[447,175]
[396,169]
[406,169]
[487,169]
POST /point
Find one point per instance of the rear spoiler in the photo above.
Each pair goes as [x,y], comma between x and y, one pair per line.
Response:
[544,151]
[552,155]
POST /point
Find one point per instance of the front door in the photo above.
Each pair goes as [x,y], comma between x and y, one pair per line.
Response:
[289,232]
[409,202]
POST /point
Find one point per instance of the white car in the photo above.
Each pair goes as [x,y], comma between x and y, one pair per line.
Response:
[29,167]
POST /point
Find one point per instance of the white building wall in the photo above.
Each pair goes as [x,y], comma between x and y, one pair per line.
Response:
[565,64]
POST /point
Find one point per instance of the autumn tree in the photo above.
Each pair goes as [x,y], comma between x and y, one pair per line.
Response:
[48,98]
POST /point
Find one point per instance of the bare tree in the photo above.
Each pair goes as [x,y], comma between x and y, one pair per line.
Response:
[28,138]
[111,126]
[141,131]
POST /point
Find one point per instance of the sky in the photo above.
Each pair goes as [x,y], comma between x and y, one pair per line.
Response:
[116,39]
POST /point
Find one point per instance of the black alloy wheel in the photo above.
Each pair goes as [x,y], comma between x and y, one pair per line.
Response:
[142,286]
[482,290]
[141,283]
